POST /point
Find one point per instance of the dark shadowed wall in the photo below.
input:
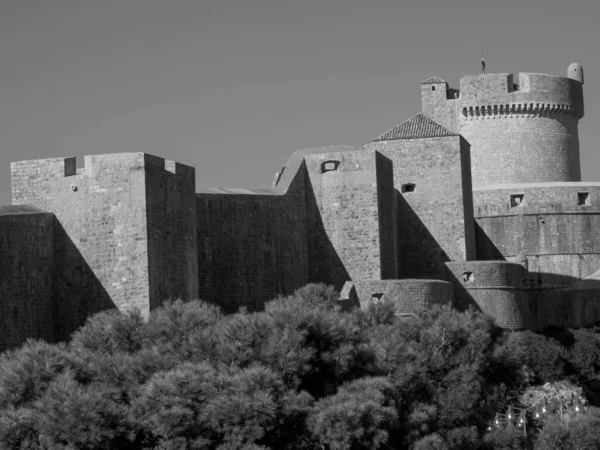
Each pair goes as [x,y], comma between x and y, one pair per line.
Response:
[252,246]
[26,275]
[172,236]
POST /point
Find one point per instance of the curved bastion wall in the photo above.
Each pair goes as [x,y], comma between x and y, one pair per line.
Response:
[493,287]
[521,131]
[555,226]
[408,295]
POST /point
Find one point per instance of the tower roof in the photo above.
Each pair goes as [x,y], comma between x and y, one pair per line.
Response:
[420,126]
[433,80]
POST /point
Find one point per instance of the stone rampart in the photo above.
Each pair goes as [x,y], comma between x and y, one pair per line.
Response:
[493,287]
[555,226]
[172,235]
[433,180]
[106,254]
[253,245]
[408,295]
[351,216]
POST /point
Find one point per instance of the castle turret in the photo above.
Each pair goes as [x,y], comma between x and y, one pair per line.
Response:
[575,72]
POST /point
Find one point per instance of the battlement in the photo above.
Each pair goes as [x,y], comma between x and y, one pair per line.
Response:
[30,173]
[520,110]
[532,92]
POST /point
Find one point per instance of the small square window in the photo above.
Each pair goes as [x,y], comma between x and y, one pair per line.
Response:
[516,200]
[408,187]
[433,88]
[329,166]
[583,198]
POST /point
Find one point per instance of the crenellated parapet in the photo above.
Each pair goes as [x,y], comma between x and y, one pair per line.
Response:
[521,129]
[546,110]
[530,89]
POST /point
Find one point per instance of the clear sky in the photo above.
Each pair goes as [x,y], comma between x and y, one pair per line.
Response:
[233,87]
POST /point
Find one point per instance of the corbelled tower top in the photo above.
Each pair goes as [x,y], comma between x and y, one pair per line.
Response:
[522,130]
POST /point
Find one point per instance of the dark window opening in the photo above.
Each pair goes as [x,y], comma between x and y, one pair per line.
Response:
[376,296]
[583,198]
[408,187]
[329,166]
[433,88]
[516,200]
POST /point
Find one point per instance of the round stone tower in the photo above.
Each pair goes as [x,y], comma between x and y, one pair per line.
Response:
[521,130]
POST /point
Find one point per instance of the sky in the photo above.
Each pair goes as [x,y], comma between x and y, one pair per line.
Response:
[234,87]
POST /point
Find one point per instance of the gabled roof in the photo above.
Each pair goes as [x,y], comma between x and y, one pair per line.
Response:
[433,80]
[420,126]
[6,210]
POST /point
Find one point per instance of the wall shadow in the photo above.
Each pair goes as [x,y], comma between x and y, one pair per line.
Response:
[419,253]
[485,248]
[324,262]
[77,291]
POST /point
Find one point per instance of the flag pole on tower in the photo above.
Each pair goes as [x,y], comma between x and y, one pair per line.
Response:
[482,63]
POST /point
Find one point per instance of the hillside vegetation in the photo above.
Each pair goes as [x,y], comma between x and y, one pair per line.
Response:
[300,375]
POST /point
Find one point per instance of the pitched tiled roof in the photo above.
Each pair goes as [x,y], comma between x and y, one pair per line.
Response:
[420,126]
[433,80]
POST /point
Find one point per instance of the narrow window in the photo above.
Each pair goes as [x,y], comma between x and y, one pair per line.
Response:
[516,200]
[433,88]
[583,198]
[408,187]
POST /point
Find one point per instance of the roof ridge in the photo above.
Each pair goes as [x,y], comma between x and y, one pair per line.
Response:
[432,80]
[417,127]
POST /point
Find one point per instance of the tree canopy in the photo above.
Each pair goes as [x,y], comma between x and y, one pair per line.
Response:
[302,374]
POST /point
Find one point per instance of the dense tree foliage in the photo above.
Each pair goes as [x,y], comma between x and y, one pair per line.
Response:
[299,375]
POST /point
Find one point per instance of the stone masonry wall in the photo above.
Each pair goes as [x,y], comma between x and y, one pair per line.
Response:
[559,236]
[101,250]
[522,148]
[495,288]
[172,235]
[348,193]
[408,295]
[570,308]
[252,246]
[433,225]
[26,275]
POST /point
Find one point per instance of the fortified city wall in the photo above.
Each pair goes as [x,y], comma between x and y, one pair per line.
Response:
[475,201]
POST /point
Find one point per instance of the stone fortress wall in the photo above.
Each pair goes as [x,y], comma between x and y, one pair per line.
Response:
[475,201]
